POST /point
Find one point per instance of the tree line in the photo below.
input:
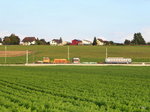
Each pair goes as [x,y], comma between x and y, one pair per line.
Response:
[137,40]
[15,40]
[10,40]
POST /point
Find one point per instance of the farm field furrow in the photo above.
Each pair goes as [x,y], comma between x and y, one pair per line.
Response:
[75,89]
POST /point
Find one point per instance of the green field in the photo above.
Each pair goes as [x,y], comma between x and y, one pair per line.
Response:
[86,53]
[75,89]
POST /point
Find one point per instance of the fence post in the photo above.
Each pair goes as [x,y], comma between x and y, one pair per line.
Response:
[5,54]
[27,57]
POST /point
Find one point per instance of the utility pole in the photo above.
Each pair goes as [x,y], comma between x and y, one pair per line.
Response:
[106,53]
[27,57]
[5,54]
[68,53]
[33,57]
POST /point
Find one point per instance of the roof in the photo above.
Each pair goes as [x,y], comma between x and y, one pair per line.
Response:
[105,41]
[29,39]
[100,40]
[77,40]
[87,40]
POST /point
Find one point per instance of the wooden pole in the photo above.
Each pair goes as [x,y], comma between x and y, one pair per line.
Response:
[27,57]
[106,53]
[5,54]
[68,53]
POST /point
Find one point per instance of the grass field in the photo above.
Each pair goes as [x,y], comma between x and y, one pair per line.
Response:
[86,53]
[75,89]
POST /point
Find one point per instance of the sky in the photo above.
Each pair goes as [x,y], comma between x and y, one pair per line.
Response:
[114,20]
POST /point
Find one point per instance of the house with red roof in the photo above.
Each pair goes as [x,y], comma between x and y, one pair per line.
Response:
[76,42]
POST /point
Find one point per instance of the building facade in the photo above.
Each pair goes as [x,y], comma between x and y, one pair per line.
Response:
[29,41]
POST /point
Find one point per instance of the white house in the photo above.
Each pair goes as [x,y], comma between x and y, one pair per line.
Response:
[55,42]
[29,41]
[100,42]
[86,42]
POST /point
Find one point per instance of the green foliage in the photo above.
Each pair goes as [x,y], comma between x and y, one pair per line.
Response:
[40,42]
[138,39]
[43,42]
[15,40]
[6,40]
[37,42]
[109,43]
[127,42]
[74,89]
[11,40]
[94,41]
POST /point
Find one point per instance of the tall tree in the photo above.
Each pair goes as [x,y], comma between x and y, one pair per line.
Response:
[38,42]
[6,40]
[11,40]
[127,42]
[138,39]
[15,40]
[43,42]
[61,40]
[94,41]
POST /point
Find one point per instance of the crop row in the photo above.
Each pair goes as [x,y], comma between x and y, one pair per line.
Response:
[56,89]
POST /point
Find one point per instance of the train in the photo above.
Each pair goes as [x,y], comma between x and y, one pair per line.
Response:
[118,60]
